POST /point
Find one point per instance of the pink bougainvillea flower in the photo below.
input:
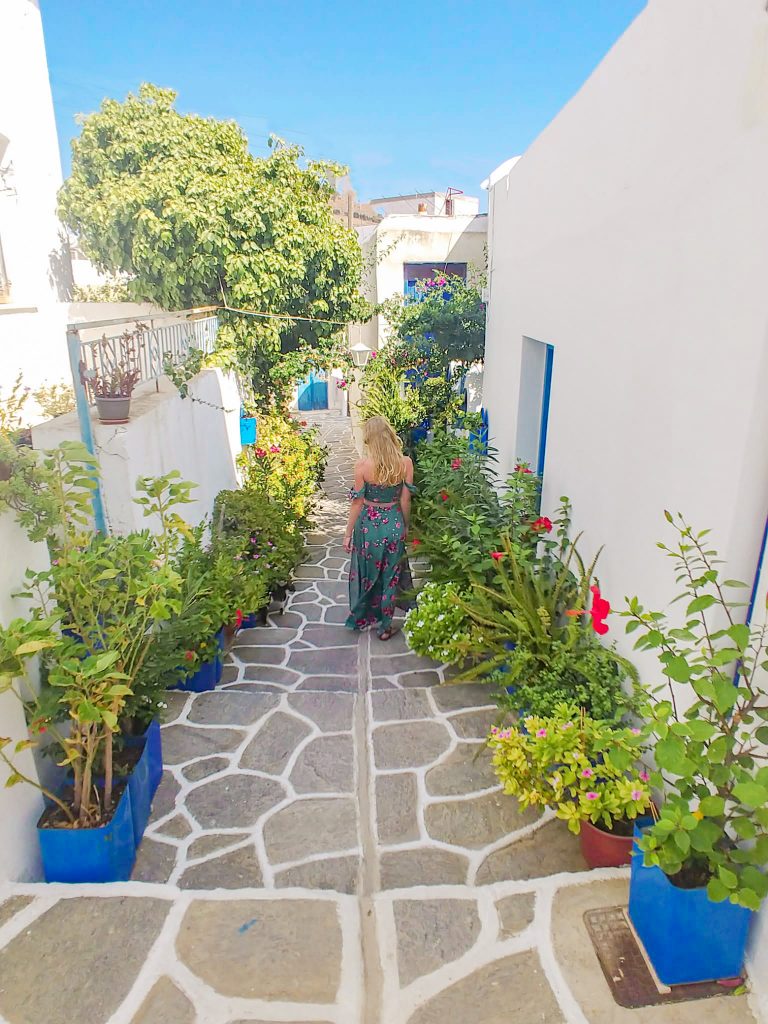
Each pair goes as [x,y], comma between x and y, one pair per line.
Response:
[587,773]
[592,796]
[274,448]
[542,525]
[373,355]
[497,555]
[456,464]
[260,453]
[520,468]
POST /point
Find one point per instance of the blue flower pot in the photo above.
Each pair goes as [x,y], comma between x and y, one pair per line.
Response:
[202,680]
[76,855]
[247,430]
[687,937]
[219,662]
[145,777]
[249,621]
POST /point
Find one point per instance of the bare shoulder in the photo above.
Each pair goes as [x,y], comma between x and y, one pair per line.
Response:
[408,468]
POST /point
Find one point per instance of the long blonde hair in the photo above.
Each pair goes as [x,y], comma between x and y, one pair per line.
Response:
[385,450]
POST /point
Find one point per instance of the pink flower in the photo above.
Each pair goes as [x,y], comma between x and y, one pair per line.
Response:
[541,733]
[542,525]
[274,448]
[497,555]
[587,773]
[260,453]
[592,796]
[635,732]
[456,464]
[637,794]
[644,776]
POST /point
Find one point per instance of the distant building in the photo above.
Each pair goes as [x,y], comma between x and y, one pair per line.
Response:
[348,210]
[415,238]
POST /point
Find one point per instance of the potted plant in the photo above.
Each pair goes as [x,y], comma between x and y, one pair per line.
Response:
[699,873]
[112,391]
[437,624]
[588,771]
[93,622]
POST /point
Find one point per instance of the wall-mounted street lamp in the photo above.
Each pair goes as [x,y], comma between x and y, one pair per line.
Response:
[360,354]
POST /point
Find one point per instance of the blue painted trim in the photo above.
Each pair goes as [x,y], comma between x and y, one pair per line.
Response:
[546,392]
[758,573]
[86,429]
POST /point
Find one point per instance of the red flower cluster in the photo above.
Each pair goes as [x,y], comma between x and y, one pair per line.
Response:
[274,448]
[260,453]
[542,525]
[599,612]
[415,542]
[302,423]
[520,468]
[456,464]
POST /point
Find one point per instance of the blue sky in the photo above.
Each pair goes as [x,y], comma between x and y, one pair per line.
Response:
[411,97]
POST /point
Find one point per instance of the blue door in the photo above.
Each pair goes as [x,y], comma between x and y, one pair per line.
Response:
[313,392]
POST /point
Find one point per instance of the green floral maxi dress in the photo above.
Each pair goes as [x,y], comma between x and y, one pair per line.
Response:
[378,546]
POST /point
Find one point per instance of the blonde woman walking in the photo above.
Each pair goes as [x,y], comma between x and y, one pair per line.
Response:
[377,528]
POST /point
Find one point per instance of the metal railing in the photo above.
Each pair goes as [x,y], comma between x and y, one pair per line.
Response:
[144,344]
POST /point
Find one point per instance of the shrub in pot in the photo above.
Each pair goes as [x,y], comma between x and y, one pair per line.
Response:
[700,872]
[588,771]
[112,389]
[93,621]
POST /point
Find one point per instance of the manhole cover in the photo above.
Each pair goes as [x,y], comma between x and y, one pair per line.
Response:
[626,969]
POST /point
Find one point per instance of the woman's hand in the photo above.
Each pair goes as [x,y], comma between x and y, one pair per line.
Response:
[348,545]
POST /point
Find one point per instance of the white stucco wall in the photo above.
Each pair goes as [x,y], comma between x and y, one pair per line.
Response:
[36,259]
[21,806]
[400,239]
[632,237]
[165,432]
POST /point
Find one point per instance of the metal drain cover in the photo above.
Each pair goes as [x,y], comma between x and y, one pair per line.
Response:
[629,976]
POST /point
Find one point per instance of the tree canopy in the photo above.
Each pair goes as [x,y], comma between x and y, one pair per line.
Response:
[178,204]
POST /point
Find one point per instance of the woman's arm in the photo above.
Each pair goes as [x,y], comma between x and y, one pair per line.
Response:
[405,497]
[355,507]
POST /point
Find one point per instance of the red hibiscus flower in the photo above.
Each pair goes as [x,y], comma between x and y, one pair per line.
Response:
[456,464]
[599,612]
[497,555]
[238,619]
[542,525]
[444,495]
[520,468]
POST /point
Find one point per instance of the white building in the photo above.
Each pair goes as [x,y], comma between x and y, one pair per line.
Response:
[628,263]
[415,238]
[35,272]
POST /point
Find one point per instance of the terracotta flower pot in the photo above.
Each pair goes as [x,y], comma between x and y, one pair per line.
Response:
[604,849]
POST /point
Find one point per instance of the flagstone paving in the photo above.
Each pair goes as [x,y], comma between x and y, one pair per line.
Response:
[329,845]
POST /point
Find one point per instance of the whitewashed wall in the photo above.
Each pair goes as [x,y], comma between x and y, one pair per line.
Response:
[199,438]
[36,258]
[21,806]
[632,237]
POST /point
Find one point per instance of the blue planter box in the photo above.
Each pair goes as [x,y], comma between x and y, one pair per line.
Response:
[204,679]
[76,855]
[247,430]
[145,778]
[687,937]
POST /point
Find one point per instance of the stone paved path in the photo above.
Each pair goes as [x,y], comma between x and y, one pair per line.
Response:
[328,845]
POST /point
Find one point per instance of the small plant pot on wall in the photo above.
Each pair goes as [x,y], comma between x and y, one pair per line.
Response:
[76,855]
[114,410]
[688,937]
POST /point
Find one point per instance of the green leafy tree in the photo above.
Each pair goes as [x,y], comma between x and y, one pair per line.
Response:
[178,204]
